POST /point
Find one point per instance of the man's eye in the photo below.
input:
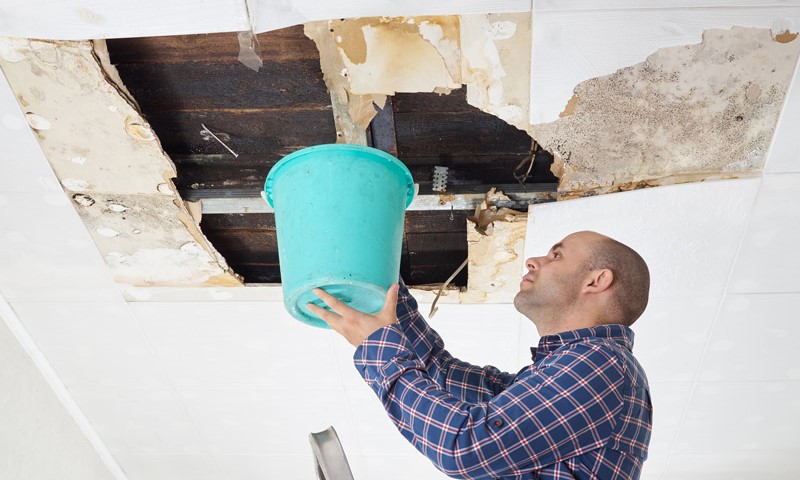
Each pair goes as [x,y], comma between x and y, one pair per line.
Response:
[556,255]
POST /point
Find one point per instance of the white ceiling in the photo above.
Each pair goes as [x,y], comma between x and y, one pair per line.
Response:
[212,388]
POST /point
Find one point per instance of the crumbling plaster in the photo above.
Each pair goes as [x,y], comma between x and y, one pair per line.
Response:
[110,163]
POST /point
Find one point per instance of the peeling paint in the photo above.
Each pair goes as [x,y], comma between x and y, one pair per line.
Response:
[688,113]
[495,242]
[38,122]
[134,215]
[495,262]
[785,36]
[365,57]
[398,59]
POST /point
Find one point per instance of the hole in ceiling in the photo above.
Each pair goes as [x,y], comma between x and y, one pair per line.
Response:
[224,126]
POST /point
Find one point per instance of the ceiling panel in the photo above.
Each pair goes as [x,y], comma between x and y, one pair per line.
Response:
[771,239]
[135,421]
[685,321]
[93,344]
[727,416]
[743,319]
[267,421]
[236,345]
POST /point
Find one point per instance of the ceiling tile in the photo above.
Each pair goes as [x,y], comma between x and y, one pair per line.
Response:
[139,421]
[734,465]
[169,467]
[99,19]
[283,467]
[267,421]
[771,239]
[668,322]
[93,344]
[688,233]
[101,292]
[741,416]
[24,167]
[268,17]
[734,353]
[237,344]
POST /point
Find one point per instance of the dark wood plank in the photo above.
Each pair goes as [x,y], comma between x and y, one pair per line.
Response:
[246,173]
[436,221]
[455,101]
[286,43]
[453,134]
[239,221]
[272,132]
[224,85]
[433,257]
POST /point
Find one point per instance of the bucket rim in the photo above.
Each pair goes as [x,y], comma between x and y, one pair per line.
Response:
[376,153]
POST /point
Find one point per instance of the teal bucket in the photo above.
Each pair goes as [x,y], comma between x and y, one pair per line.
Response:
[339,216]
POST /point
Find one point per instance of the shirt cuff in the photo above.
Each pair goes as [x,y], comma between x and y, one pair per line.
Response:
[378,352]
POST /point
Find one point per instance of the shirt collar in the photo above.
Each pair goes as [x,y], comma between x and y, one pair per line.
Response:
[549,343]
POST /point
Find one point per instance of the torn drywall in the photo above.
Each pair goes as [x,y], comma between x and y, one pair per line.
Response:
[495,66]
[365,59]
[687,113]
[392,55]
[495,241]
[110,162]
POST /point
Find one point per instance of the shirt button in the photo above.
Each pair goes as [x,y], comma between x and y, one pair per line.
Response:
[498,423]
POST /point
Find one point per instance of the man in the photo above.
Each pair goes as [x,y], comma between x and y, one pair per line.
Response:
[582,410]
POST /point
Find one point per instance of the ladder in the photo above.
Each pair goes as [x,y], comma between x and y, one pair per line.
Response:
[330,462]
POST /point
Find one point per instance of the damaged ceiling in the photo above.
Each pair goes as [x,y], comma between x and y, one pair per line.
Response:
[196,121]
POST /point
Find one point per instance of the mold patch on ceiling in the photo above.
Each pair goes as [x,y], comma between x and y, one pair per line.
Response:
[688,113]
[110,162]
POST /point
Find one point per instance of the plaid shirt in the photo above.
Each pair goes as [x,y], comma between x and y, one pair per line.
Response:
[581,410]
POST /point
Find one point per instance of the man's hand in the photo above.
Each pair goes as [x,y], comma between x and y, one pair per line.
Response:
[353,325]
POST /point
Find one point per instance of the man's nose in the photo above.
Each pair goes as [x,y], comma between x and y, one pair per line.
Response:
[532,263]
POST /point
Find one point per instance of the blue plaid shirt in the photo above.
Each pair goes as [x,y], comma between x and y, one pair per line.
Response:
[582,410]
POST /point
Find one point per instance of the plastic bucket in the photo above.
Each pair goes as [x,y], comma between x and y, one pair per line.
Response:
[339,216]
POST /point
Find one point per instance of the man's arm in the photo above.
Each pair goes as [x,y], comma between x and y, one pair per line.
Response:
[568,406]
[468,382]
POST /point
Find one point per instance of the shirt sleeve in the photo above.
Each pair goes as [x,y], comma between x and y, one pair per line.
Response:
[566,406]
[467,382]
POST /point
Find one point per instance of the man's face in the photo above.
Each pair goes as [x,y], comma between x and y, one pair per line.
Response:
[554,280]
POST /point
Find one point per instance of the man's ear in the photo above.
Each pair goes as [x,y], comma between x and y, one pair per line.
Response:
[599,280]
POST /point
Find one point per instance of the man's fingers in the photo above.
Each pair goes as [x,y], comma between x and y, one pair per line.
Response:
[329,317]
[337,306]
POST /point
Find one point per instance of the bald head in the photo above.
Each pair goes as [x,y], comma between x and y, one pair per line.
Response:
[631,284]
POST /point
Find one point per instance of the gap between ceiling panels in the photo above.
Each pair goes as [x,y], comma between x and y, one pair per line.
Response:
[687,113]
